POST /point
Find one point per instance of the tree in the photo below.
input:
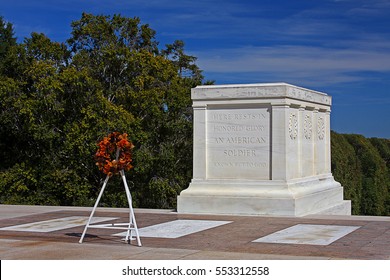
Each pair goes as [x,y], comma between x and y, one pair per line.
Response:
[104,45]
[375,180]
[346,168]
[110,77]
[360,166]
[383,148]
[7,41]
[8,49]
[185,64]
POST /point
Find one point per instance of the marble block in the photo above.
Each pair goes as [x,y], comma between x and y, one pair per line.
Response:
[262,149]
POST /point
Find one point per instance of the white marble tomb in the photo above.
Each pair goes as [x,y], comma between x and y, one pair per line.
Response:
[262,149]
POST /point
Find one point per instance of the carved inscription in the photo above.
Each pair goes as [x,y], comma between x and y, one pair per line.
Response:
[238,143]
[259,91]
[307,95]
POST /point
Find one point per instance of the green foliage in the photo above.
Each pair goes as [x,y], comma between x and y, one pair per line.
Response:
[7,38]
[361,165]
[16,183]
[59,99]
[375,179]
[346,170]
[383,148]
[7,43]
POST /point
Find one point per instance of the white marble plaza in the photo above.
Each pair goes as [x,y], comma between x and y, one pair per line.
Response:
[56,224]
[177,228]
[261,149]
[308,234]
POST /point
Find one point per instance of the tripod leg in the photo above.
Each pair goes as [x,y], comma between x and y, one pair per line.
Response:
[131,214]
[94,209]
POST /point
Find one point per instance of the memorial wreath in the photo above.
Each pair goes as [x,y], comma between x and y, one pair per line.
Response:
[114,154]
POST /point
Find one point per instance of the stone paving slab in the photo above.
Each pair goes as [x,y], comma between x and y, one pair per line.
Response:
[308,234]
[55,224]
[230,240]
[176,228]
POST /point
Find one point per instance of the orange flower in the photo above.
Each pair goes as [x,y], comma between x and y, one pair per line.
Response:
[106,155]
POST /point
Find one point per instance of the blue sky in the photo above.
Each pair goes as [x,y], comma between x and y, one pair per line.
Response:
[340,47]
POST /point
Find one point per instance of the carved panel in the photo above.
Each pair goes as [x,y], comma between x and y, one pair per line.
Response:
[293,126]
[307,127]
[321,128]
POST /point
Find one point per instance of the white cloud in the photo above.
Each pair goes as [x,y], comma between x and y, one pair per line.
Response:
[297,62]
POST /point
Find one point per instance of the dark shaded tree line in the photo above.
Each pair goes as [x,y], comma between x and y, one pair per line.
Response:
[57,100]
[362,166]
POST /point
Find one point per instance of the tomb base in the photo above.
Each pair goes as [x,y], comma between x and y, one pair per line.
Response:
[296,198]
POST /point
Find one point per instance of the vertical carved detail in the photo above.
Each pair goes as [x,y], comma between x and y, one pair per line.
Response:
[307,127]
[293,126]
[321,128]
